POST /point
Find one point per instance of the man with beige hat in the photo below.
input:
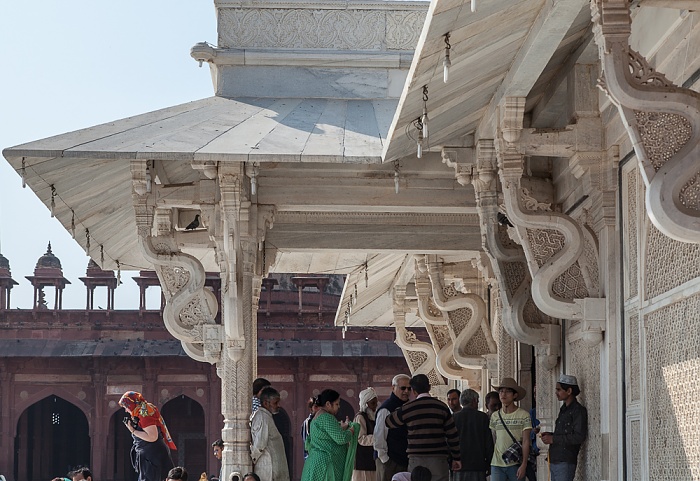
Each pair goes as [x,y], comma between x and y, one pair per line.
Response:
[510,424]
[570,431]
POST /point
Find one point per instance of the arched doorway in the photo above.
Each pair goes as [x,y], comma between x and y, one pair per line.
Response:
[185,420]
[119,450]
[52,438]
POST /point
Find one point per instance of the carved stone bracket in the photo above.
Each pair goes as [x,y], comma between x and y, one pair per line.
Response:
[553,243]
[466,318]
[420,356]
[662,120]
[437,323]
[461,159]
[507,259]
[190,308]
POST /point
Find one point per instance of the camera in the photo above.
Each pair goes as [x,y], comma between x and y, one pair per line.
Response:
[134,422]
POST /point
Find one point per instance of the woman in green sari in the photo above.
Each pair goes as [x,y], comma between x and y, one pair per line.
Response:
[331,445]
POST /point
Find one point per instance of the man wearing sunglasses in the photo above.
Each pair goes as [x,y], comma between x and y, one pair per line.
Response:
[391,444]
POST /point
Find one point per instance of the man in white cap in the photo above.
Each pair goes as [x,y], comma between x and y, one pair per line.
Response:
[569,433]
[365,467]
[511,424]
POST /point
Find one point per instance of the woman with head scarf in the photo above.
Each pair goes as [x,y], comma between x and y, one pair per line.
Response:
[150,453]
[331,445]
[365,467]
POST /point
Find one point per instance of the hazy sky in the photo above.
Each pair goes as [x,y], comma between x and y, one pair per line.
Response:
[75,64]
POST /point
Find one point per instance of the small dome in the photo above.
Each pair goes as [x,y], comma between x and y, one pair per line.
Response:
[48,260]
[4,263]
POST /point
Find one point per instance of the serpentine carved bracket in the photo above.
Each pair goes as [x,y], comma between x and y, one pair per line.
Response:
[553,243]
[466,318]
[507,258]
[662,120]
[190,308]
[439,326]
[420,356]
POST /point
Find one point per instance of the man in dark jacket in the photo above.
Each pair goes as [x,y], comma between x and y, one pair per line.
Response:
[569,433]
[475,439]
[391,444]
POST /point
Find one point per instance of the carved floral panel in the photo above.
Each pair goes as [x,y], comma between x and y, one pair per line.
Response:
[319,29]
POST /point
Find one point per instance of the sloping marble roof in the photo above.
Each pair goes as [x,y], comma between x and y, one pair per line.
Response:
[505,48]
[90,168]
[221,129]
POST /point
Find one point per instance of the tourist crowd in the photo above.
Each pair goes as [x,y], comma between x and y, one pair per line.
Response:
[410,436]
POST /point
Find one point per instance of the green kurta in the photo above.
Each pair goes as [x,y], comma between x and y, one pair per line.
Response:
[331,450]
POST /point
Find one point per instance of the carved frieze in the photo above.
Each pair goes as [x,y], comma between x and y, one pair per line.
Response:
[337,29]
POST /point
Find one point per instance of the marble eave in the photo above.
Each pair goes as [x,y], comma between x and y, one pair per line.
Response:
[506,47]
[90,168]
[222,129]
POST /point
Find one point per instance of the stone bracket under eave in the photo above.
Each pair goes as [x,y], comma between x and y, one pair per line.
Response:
[420,356]
[441,327]
[662,120]
[554,243]
[190,308]
[466,314]
[478,167]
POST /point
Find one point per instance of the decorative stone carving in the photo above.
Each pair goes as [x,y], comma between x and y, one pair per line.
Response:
[507,258]
[420,356]
[339,29]
[436,324]
[461,159]
[466,319]
[630,215]
[239,251]
[662,120]
[669,263]
[553,243]
[585,364]
[671,339]
[189,306]
[140,176]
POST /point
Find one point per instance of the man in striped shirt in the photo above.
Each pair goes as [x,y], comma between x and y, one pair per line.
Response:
[431,431]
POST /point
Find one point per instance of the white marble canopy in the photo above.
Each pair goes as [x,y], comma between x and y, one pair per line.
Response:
[89,169]
[505,48]
[221,129]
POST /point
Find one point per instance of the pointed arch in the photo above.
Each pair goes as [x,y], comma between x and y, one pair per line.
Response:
[42,429]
